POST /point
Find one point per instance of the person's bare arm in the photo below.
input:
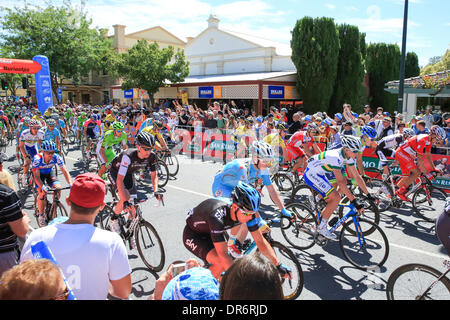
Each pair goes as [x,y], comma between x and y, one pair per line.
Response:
[20,226]
[121,288]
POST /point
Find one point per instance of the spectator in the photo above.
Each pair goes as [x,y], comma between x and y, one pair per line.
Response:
[348,130]
[296,124]
[335,138]
[386,128]
[97,259]
[421,127]
[251,278]
[401,125]
[13,223]
[428,118]
[367,111]
[33,280]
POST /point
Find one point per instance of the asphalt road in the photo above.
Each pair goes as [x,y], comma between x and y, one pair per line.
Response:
[327,275]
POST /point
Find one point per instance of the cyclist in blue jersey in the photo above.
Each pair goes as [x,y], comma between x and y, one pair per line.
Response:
[255,171]
[60,124]
[51,133]
[45,175]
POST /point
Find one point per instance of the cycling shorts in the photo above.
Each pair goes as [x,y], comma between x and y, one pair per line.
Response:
[91,135]
[48,179]
[318,182]
[383,154]
[110,155]
[128,181]
[406,162]
[199,244]
[31,151]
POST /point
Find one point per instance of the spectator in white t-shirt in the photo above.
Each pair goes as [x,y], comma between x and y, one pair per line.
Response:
[93,260]
[428,118]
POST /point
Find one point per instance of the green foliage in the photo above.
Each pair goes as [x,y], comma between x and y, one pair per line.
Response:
[412,68]
[315,51]
[61,33]
[438,64]
[148,67]
[350,71]
[382,65]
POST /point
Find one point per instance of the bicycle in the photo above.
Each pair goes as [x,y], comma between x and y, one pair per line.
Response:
[51,209]
[25,183]
[170,160]
[362,251]
[148,242]
[291,287]
[91,155]
[162,172]
[417,281]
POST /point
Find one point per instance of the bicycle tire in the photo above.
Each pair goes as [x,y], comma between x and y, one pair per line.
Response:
[393,283]
[172,164]
[383,192]
[152,240]
[374,241]
[283,182]
[302,194]
[370,212]
[299,232]
[54,211]
[429,211]
[163,174]
[103,217]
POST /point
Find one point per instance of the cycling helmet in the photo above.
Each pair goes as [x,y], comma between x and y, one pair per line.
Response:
[110,118]
[55,116]
[51,122]
[408,133]
[249,120]
[145,139]
[48,145]
[261,150]
[369,132]
[284,110]
[352,143]
[438,132]
[246,197]
[83,114]
[157,124]
[35,124]
[117,125]
[260,119]
[26,120]
[281,126]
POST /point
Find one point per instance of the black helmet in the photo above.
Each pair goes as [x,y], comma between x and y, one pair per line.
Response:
[145,139]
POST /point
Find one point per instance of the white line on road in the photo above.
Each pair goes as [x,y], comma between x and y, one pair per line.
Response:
[390,243]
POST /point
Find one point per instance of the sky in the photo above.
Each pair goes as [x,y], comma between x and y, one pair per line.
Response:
[382,20]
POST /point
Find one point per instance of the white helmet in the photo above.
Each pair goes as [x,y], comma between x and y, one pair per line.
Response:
[408,133]
[352,143]
[439,132]
[261,150]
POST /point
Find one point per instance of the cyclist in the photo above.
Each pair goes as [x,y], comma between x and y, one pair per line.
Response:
[324,167]
[277,140]
[121,173]
[107,124]
[51,133]
[242,137]
[44,175]
[105,151]
[155,131]
[207,224]
[90,127]
[254,170]
[30,139]
[81,119]
[417,147]
[386,148]
[368,134]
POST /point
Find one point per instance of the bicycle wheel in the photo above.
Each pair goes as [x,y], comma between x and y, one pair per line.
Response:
[102,219]
[366,252]
[283,182]
[429,202]
[383,192]
[57,210]
[299,232]
[370,213]
[291,288]
[410,281]
[172,164]
[163,174]
[149,246]
[304,195]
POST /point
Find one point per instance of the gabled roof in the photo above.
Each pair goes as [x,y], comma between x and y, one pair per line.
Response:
[136,34]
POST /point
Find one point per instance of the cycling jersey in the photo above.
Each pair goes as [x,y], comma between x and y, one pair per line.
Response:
[109,140]
[298,139]
[51,135]
[90,126]
[208,223]
[81,121]
[128,162]
[239,170]
[154,132]
[275,140]
[30,139]
[386,147]
[45,168]
[417,145]
[147,122]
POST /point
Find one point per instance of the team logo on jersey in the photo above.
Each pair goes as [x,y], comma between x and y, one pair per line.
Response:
[218,193]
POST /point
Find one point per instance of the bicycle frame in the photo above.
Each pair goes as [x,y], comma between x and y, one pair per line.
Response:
[434,283]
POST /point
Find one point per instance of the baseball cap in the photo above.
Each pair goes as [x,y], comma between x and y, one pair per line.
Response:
[192,284]
[88,190]
[339,116]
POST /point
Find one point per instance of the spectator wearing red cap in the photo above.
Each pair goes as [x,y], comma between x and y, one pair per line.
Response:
[92,259]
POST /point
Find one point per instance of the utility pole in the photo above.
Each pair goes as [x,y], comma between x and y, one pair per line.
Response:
[401,85]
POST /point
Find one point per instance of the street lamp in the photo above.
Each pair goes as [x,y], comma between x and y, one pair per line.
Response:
[401,86]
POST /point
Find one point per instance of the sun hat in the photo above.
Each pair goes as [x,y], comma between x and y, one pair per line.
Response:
[193,284]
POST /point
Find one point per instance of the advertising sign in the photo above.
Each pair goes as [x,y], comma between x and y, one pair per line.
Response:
[44,95]
[19,66]
[206,92]
[128,94]
[276,92]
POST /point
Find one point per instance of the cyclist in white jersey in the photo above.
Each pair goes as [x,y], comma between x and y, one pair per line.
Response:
[329,165]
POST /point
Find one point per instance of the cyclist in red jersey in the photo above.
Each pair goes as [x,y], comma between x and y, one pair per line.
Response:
[416,147]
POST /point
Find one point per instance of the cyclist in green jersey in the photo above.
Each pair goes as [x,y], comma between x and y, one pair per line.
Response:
[105,152]
[81,119]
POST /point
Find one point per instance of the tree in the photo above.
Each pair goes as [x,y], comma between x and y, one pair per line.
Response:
[146,66]
[315,51]
[382,65]
[437,64]
[412,68]
[63,34]
[350,70]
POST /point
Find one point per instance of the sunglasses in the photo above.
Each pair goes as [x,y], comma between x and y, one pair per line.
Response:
[146,148]
[119,131]
[247,213]
[62,296]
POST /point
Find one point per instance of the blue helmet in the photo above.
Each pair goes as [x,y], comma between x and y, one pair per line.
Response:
[369,131]
[48,145]
[246,197]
